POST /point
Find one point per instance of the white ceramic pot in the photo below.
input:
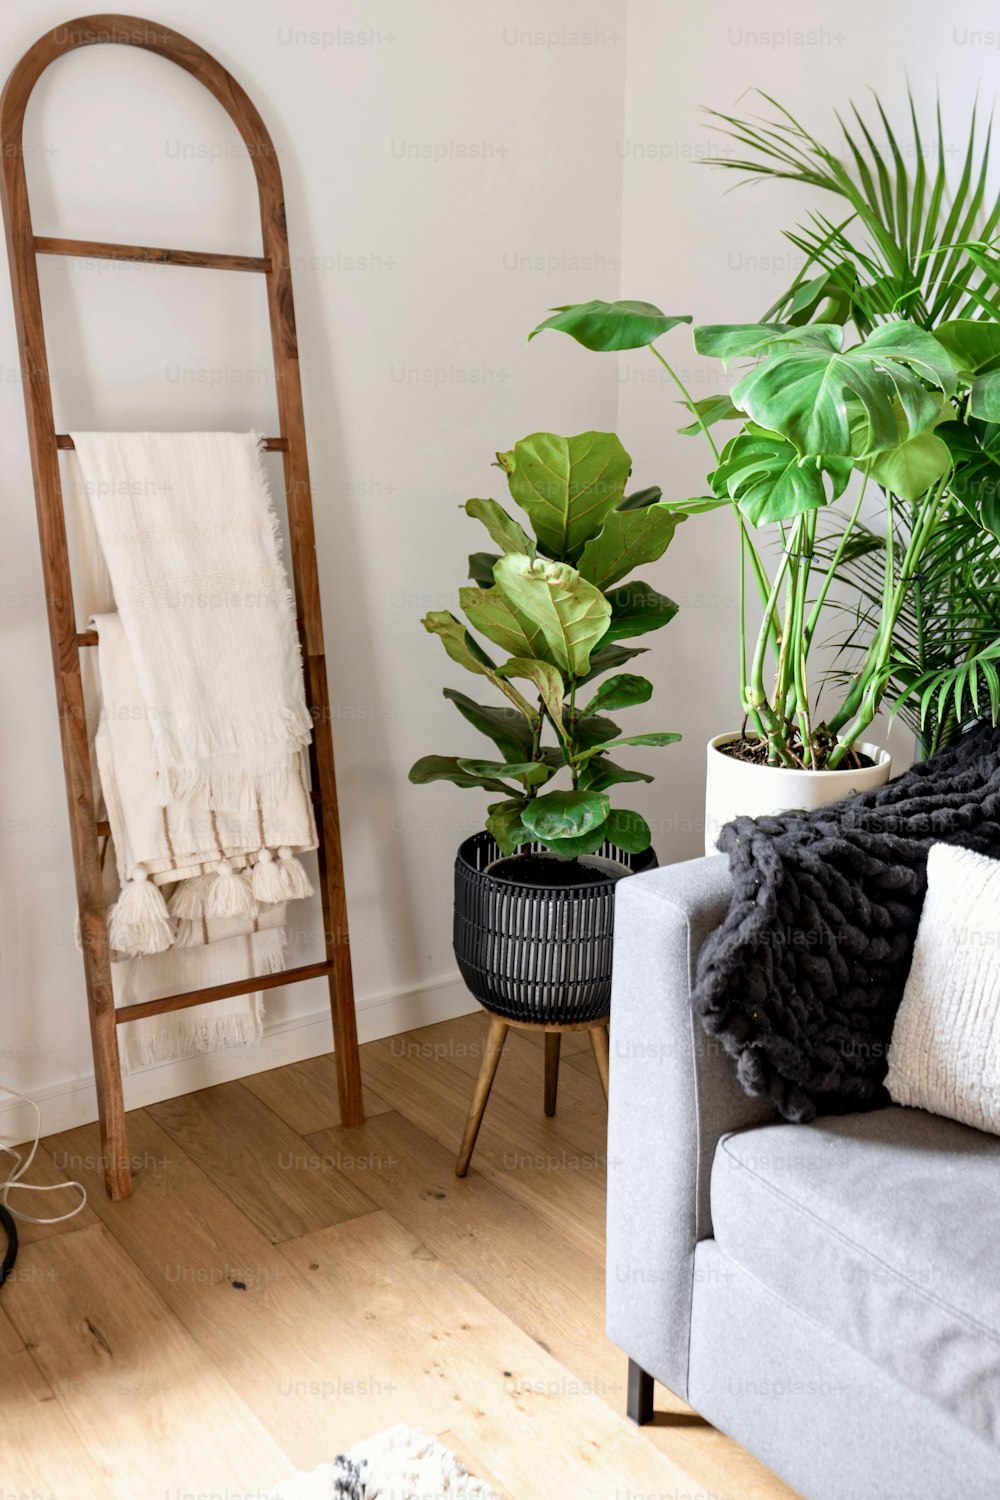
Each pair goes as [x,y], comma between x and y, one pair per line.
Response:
[734,788]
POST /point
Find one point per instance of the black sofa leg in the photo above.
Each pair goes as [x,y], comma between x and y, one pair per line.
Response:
[640,1394]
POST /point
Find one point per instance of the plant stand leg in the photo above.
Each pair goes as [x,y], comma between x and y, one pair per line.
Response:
[640,1394]
[487,1072]
[602,1054]
[552,1043]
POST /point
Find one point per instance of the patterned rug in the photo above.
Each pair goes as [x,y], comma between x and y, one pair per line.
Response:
[401,1464]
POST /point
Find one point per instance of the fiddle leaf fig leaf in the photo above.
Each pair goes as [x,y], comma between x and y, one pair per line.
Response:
[530,772]
[608,659]
[450,768]
[504,823]
[659,738]
[636,609]
[481,565]
[560,815]
[547,680]
[506,727]
[584,843]
[571,613]
[626,540]
[567,485]
[623,691]
[600,773]
[492,614]
[508,535]
[609,326]
[639,499]
[628,830]
[464,650]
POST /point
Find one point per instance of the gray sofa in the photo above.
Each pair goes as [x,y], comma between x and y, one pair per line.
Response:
[827,1294]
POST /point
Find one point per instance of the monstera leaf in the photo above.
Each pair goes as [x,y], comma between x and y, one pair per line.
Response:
[712,409]
[567,485]
[808,393]
[609,326]
[976,481]
[769,482]
[628,539]
[570,612]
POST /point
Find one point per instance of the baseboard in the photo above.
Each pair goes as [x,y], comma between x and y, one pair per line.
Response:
[74,1101]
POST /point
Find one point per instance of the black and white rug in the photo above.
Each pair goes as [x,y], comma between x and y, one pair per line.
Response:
[401,1464]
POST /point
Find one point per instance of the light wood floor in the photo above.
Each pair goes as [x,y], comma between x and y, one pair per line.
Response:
[279,1288]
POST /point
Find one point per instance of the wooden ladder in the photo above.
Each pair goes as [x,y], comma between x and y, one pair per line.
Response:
[67,641]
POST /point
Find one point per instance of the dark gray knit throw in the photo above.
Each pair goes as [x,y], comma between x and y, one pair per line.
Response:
[802,981]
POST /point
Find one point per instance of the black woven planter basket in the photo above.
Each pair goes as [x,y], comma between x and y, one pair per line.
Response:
[534,952]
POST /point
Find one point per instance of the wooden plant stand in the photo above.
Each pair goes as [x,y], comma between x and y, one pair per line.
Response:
[497,1035]
[67,641]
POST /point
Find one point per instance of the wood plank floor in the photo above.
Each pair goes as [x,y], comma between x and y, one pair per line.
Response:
[280,1287]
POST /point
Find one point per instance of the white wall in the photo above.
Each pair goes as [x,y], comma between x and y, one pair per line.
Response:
[451,171]
[441,161]
[694,245]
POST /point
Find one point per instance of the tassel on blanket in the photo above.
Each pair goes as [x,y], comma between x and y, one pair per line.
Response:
[188,901]
[267,882]
[293,875]
[228,895]
[139,922]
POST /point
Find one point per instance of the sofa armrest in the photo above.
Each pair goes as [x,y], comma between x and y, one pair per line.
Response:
[673,1095]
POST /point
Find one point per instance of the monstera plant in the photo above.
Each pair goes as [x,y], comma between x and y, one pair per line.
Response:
[872,385]
[551,603]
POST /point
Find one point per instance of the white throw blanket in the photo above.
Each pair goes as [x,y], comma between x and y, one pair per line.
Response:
[165,841]
[190,541]
[190,844]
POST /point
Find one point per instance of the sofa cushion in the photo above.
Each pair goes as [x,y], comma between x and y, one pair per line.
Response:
[884,1228]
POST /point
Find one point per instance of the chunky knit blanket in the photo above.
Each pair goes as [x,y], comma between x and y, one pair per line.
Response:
[802,980]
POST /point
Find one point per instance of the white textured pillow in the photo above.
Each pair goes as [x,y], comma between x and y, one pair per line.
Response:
[945,1051]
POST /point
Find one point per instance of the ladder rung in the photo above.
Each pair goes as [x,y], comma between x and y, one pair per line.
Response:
[144,1008]
[271,444]
[106,250]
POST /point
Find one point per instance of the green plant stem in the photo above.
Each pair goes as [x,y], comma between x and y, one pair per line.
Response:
[869,686]
[816,612]
[760,576]
[756,695]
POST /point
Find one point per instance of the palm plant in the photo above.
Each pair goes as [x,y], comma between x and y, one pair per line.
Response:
[912,409]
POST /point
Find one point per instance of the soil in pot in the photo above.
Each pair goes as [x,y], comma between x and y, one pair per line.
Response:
[753,752]
[549,870]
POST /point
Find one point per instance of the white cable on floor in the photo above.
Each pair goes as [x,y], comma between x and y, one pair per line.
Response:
[14,1180]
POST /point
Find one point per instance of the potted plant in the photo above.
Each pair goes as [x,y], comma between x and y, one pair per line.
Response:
[904,404]
[534,890]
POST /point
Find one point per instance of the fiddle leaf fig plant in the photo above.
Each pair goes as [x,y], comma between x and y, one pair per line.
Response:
[546,604]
